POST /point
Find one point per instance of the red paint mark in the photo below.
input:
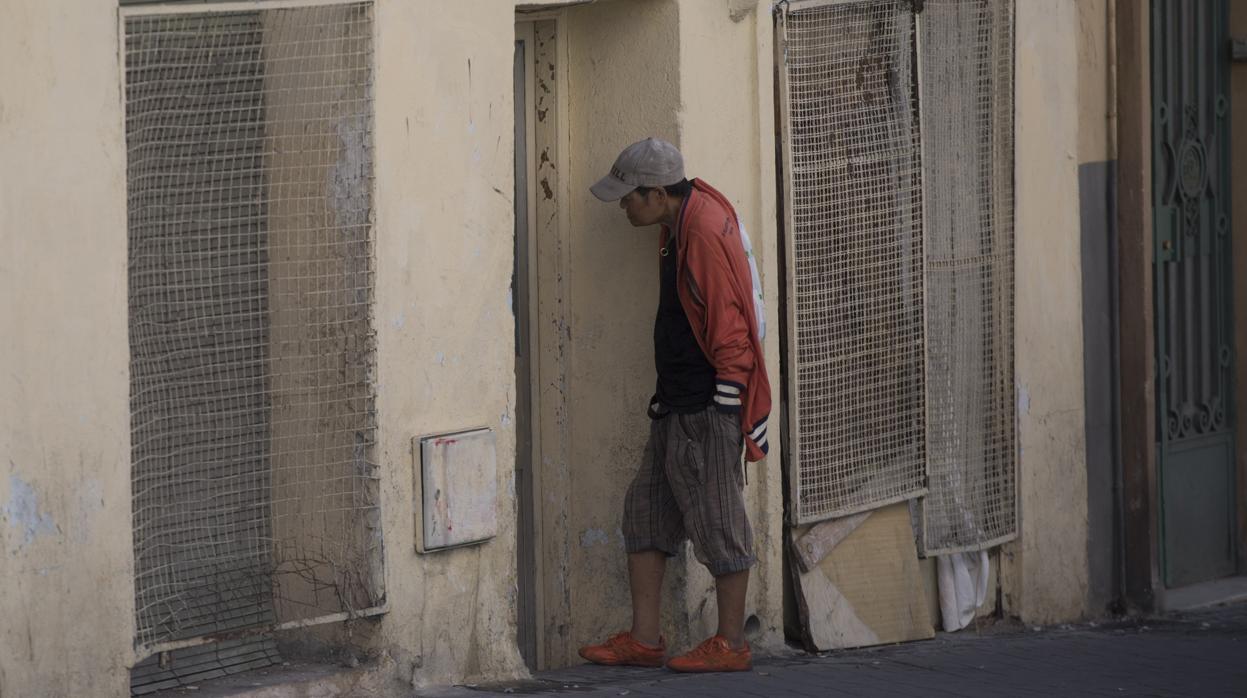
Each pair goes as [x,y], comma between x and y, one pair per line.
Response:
[445,442]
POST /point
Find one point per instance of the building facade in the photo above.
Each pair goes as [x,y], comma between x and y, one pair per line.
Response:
[297,289]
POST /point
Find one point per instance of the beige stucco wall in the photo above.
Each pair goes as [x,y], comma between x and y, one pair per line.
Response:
[1094,96]
[66,590]
[1097,183]
[444,237]
[1044,572]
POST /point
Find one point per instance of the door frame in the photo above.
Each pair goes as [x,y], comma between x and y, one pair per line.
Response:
[527,436]
[549,498]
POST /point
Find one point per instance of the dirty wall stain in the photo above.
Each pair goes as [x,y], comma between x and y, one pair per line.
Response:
[22,513]
[592,537]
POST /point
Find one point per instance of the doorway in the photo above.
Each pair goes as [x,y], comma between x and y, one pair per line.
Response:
[540,344]
[1194,338]
[525,349]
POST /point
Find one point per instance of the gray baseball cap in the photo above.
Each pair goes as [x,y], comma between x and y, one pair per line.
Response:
[652,162]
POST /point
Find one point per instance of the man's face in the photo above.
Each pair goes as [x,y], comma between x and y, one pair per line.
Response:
[644,209]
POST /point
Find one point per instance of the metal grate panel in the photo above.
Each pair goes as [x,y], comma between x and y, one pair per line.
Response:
[249,173]
[854,256]
[967,149]
[194,665]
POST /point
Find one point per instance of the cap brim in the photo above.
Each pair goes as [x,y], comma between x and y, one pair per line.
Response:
[611,188]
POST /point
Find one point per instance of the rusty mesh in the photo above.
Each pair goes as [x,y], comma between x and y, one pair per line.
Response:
[249,176]
[966,79]
[855,255]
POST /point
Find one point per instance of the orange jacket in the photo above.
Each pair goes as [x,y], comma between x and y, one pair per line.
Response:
[716,291]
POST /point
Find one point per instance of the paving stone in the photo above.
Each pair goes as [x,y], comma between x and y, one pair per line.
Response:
[1188,654]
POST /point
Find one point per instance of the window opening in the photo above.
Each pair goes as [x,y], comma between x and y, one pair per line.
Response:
[897,135]
[854,246]
[249,177]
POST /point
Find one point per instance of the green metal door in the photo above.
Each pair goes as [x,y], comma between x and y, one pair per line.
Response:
[1194,338]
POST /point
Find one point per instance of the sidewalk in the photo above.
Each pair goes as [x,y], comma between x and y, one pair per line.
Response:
[1202,653]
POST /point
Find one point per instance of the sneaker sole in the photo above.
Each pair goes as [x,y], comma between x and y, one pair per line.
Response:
[708,670]
[653,664]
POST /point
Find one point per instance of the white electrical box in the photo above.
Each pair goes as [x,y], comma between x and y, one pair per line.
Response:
[456,489]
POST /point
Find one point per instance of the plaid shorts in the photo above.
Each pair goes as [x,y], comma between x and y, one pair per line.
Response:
[690,485]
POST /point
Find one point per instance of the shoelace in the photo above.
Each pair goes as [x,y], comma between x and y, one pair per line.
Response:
[711,647]
[621,640]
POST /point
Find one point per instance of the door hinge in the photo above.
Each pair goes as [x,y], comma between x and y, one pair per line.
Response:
[1238,50]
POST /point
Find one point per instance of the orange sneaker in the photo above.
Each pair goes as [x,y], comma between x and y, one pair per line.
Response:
[623,649]
[715,654]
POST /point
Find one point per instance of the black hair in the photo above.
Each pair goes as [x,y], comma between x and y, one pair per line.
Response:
[681,189]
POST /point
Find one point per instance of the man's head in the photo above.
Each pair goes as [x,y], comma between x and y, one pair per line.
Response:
[648,181]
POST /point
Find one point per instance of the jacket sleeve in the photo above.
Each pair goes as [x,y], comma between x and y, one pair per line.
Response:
[727,342]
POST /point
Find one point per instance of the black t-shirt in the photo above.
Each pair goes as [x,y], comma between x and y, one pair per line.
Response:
[686,379]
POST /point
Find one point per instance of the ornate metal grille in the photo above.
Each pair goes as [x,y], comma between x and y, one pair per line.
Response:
[1192,202]
[249,143]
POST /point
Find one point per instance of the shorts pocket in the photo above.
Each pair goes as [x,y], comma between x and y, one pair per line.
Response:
[726,426]
[690,459]
[728,419]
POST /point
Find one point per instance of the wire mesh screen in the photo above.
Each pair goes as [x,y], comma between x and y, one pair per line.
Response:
[856,396]
[967,147]
[249,143]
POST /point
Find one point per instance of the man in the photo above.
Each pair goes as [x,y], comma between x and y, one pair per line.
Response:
[712,395]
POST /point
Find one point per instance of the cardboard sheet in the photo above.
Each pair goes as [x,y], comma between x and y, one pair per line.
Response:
[867,589]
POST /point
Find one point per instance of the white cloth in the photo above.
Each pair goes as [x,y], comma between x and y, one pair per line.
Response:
[963,586]
[759,307]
